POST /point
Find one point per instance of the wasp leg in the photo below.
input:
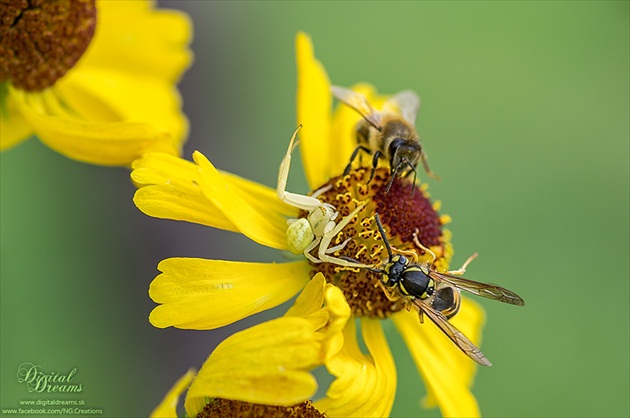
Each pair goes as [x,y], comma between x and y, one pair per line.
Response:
[422,247]
[462,269]
[388,293]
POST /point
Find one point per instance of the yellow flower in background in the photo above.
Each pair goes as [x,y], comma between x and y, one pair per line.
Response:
[95,81]
[206,294]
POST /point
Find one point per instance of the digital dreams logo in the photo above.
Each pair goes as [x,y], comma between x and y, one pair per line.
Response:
[39,381]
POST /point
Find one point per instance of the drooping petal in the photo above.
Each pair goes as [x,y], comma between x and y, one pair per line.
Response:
[115,143]
[446,371]
[314,103]
[251,218]
[206,294]
[167,408]
[365,386]
[13,127]
[270,363]
[100,95]
[173,188]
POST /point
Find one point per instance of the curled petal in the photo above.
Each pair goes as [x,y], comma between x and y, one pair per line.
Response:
[365,386]
[447,372]
[173,188]
[314,102]
[251,218]
[268,364]
[206,294]
[168,407]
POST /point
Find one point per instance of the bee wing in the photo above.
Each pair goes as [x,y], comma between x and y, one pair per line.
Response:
[358,102]
[407,102]
[484,290]
[460,340]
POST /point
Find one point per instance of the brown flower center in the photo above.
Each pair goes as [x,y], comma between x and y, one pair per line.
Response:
[402,213]
[225,408]
[41,40]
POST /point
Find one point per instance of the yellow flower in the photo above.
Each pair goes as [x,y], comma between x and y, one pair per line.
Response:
[105,91]
[206,294]
[267,367]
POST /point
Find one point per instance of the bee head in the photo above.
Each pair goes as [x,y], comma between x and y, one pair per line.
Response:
[404,152]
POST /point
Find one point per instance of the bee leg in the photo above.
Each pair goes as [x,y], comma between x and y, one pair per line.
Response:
[422,247]
[462,269]
[425,164]
[352,158]
[375,158]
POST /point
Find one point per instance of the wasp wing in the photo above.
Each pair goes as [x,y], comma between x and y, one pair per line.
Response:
[485,290]
[358,102]
[407,102]
[460,340]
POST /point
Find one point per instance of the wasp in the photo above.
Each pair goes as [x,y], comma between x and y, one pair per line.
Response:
[387,134]
[437,294]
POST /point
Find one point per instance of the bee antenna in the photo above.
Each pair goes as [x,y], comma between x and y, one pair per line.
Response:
[379,225]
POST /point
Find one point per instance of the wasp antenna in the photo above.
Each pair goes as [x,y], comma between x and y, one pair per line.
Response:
[379,225]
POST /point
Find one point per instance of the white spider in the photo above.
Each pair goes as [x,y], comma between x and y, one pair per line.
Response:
[319,227]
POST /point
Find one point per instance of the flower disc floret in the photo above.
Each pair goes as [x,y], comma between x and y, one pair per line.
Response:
[407,215]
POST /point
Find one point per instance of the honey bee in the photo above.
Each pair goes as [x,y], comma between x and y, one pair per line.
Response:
[387,134]
[436,294]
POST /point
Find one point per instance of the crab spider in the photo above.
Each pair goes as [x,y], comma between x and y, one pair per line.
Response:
[318,227]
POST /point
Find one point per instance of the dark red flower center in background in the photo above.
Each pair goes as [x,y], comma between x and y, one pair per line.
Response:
[41,40]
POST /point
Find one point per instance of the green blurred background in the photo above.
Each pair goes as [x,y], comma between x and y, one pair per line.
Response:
[525,116]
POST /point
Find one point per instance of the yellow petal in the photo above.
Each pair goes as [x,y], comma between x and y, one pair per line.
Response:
[134,37]
[267,364]
[314,103]
[205,294]
[252,219]
[172,188]
[117,143]
[343,131]
[310,299]
[13,127]
[365,386]
[103,95]
[168,407]
[447,372]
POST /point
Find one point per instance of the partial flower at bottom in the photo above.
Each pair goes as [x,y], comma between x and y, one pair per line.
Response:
[206,294]
[265,369]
